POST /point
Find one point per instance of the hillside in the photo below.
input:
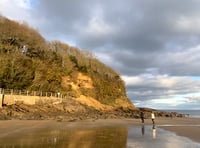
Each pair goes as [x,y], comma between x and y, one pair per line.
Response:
[29,62]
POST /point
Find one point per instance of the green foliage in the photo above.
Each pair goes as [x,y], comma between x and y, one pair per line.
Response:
[107,89]
[74,60]
[82,69]
[16,72]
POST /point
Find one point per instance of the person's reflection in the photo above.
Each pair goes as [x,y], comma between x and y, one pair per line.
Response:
[154,131]
[142,129]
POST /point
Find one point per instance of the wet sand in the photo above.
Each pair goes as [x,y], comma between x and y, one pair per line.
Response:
[187,127]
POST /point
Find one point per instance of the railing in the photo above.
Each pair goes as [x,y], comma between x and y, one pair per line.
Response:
[30,93]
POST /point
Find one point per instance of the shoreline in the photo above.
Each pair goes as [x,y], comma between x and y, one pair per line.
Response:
[186,127]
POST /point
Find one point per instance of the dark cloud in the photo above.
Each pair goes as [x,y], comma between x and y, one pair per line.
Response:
[140,37]
[135,37]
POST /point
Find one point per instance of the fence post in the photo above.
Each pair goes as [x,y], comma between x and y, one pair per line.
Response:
[1,99]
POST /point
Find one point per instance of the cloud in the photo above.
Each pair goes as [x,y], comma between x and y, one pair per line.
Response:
[16,9]
[165,88]
[193,98]
[154,44]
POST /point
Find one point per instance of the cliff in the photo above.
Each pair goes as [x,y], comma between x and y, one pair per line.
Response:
[29,62]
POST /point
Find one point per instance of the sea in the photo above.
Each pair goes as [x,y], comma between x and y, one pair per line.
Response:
[191,113]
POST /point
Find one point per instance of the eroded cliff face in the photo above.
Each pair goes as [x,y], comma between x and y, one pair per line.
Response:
[85,82]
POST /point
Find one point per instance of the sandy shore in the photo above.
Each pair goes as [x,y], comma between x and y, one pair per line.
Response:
[187,127]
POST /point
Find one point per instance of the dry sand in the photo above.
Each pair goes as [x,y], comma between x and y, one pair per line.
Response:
[187,127]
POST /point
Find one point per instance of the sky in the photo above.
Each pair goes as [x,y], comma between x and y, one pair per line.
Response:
[153,44]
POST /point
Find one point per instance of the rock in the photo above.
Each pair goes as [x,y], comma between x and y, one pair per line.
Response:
[71,111]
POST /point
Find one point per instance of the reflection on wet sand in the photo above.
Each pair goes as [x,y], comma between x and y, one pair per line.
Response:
[143,130]
[74,138]
[144,136]
[154,131]
[150,136]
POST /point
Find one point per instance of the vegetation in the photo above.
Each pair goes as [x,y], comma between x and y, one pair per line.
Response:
[28,61]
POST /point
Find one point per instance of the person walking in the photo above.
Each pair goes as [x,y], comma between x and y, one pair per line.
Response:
[153,117]
[142,116]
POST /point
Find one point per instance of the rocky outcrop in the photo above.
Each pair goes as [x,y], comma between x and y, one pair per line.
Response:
[159,113]
[72,110]
[69,110]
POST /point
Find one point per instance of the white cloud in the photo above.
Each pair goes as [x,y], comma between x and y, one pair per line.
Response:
[160,81]
[134,80]
[152,91]
[188,24]
[98,27]
[193,98]
[16,9]
[24,4]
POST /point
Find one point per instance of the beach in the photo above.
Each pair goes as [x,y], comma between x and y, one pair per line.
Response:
[187,127]
[42,131]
